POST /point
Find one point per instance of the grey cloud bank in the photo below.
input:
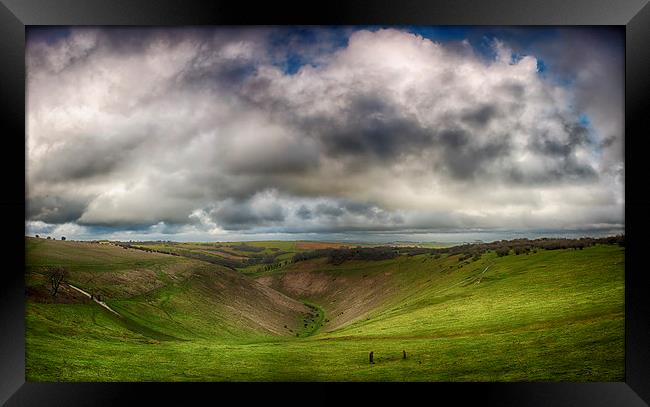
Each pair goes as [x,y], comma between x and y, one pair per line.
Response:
[204,134]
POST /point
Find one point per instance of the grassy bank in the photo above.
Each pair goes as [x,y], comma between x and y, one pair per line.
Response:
[549,315]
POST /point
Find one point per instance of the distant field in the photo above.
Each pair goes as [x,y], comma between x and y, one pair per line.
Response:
[319,245]
[436,244]
[547,315]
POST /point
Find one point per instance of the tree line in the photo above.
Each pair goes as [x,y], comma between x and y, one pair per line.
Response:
[338,256]
[256,258]
[466,251]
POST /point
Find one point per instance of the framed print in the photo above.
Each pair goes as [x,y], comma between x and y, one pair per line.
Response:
[444,195]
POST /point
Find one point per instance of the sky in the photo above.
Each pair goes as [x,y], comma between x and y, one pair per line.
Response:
[359,133]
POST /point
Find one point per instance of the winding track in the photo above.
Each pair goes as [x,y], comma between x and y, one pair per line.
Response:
[102,303]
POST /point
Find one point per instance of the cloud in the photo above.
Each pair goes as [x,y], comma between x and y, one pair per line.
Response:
[321,130]
[411,95]
[260,211]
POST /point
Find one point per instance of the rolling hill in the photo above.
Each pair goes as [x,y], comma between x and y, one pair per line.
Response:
[172,296]
[541,315]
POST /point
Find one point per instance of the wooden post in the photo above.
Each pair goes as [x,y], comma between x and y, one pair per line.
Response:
[371,361]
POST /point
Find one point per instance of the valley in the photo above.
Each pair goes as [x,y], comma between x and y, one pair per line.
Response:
[312,311]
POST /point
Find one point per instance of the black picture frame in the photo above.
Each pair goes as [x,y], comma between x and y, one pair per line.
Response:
[633,14]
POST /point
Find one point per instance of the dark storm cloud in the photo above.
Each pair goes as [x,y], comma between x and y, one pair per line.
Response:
[241,215]
[329,210]
[464,159]
[369,127]
[563,148]
[336,218]
[341,214]
[480,116]
[514,89]
[55,209]
[569,171]
[219,75]
[372,129]
[304,213]
[358,207]
[85,157]
[266,158]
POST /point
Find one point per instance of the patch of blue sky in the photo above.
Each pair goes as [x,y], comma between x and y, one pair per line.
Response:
[295,47]
[48,34]
[440,33]
[293,42]
[592,135]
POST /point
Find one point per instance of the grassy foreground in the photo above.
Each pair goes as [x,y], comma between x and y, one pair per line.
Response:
[551,315]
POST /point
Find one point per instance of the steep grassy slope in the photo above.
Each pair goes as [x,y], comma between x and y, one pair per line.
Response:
[346,292]
[399,296]
[546,289]
[514,317]
[163,296]
[103,268]
[356,289]
[216,304]
[550,315]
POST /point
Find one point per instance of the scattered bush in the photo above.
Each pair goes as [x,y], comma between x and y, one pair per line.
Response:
[338,256]
[465,252]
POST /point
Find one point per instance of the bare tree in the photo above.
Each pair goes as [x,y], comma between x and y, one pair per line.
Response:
[56,276]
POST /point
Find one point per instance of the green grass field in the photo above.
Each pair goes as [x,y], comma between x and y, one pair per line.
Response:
[554,315]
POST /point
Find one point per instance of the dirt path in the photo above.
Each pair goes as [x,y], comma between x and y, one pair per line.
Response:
[102,303]
[481,275]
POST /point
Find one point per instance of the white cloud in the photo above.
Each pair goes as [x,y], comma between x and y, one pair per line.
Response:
[205,131]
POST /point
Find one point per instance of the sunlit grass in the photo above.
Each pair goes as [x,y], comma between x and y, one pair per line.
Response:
[550,315]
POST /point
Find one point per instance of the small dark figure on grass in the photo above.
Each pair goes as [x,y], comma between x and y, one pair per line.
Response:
[403,354]
[372,362]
